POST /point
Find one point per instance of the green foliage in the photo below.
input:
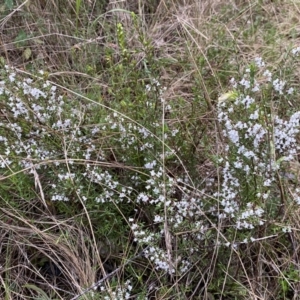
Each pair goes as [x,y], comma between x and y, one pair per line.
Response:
[9,4]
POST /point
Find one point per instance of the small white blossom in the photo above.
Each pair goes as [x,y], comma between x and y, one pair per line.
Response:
[246,83]
[296,51]
[268,75]
[259,62]
[287,229]
[278,85]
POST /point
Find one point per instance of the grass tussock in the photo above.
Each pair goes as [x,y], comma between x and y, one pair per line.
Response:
[149,150]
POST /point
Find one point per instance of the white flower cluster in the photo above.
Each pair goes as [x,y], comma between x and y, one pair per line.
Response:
[156,86]
[153,252]
[26,107]
[296,51]
[248,218]
[121,293]
[180,213]
[285,133]
[59,197]
[257,139]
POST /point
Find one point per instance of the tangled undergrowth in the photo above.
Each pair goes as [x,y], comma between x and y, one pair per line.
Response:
[159,171]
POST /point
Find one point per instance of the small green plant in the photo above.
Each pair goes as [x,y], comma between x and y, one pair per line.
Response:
[289,278]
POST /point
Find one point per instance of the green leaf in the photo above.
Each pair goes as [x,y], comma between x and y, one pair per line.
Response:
[9,4]
[21,38]
[27,53]
[2,61]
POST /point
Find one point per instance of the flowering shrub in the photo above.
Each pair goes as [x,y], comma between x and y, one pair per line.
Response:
[128,178]
[84,156]
[259,162]
[257,144]
[259,141]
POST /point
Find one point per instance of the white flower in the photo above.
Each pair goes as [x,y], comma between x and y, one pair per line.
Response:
[150,165]
[268,182]
[259,62]
[142,197]
[268,75]
[233,82]
[295,51]
[254,116]
[12,77]
[234,136]
[256,87]
[246,83]
[247,101]
[278,85]
[158,219]
[287,229]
